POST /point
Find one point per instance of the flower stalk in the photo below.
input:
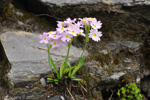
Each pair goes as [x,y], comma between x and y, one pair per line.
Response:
[65,33]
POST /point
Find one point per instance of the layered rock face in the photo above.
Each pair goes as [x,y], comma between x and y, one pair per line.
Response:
[3,3]
[4,69]
[121,57]
[29,58]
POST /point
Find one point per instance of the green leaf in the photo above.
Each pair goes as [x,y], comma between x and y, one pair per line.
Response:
[50,80]
[81,61]
[67,70]
[66,76]
[123,99]
[72,77]
[118,93]
[75,70]
[61,71]
[130,97]
[60,61]
[52,62]
[76,79]
[56,82]
[78,67]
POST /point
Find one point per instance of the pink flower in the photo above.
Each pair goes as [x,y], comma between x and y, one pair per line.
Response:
[78,24]
[55,43]
[91,20]
[74,30]
[81,33]
[95,35]
[61,29]
[66,37]
[51,33]
[54,50]
[45,38]
[84,21]
[61,42]
[96,25]
[69,22]
[55,36]
[61,24]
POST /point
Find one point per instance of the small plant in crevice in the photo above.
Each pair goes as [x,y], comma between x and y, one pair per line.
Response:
[130,92]
[66,32]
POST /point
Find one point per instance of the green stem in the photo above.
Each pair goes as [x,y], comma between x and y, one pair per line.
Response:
[84,49]
[67,57]
[69,45]
[87,28]
[49,47]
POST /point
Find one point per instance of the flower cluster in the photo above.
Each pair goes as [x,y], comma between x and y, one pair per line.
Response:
[68,29]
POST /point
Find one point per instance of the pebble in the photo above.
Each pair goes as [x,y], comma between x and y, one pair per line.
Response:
[43,82]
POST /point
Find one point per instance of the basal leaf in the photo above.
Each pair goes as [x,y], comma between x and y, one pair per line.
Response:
[76,79]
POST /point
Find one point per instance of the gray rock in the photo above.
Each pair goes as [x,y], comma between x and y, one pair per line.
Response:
[60,9]
[57,97]
[28,57]
[127,60]
[113,45]
[115,76]
[131,45]
[20,23]
[70,2]
[104,51]
[43,81]
[78,2]
[19,13]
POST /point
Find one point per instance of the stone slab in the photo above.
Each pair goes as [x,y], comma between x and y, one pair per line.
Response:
[28,57]
[74,2]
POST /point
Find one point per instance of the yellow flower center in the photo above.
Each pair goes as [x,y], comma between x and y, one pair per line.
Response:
[94,34]
[89,18]
[95,25]
[73,31]
[79,32]
[84,21]
[67,36]
[62,23]
[55,43]
[55,36]
[45,38]
[71,24]
[62,28]
[55,49]
[50,32]
[61,41]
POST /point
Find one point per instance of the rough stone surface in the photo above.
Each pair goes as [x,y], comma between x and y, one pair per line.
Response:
[77,2]
[120,65]
[28,57]
[4,69]
[43,81]
[57,97]
[60,9]
[3,3]
[125,29]
[115,76]
[131,45]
